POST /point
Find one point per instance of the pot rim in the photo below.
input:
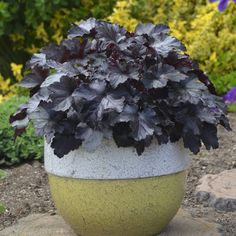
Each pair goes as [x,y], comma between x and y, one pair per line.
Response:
[110,162]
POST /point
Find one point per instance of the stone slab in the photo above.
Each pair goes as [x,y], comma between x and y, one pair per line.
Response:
[46,225]
[39,225]
[184,224]
[219,191]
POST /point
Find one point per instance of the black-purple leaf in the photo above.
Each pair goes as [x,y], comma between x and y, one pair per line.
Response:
[38,59]
[128,114]
[207,115]
[204,79]
[121,71]
[52,79]
[31,80]
[19,120]
[158,83]
[45,120]
[192,142]
[63,144]
[190,91]
[67,68]
[110,32]
[83,131]
[225,122]
[20,113]
[41,96]
[84,28]
[209,136]
[158,76]
[140,145]
[191,124]
[189,119]
[122,135]
[110,103]
[135,47]
[144,125]
[89,92]
[164,44]
[61,93]
[151,29]
[54,52]
[117,77]
[161,136]
[105,80]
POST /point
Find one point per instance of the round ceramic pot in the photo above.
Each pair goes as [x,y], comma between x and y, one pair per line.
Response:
[115,192]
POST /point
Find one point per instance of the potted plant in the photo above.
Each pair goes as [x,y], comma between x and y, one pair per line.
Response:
[118,111]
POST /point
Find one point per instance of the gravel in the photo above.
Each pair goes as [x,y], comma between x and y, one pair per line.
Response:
[213,162]
[25,189]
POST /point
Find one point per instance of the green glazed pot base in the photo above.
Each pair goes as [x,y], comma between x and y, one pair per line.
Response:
[126,207]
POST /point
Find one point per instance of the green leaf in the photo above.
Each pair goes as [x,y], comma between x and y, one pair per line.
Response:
[3,174]
[2,208]
[232,108]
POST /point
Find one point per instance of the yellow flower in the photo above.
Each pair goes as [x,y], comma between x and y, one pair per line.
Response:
[32,49]
[41,33]
[213,57]
[16,70]
[15,37]
[122,15]
[6,89]
[1,98]
[57,23]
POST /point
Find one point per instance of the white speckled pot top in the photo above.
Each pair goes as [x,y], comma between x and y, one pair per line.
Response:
[111,162]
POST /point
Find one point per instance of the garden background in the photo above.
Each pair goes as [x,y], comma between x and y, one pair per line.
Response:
[26,26]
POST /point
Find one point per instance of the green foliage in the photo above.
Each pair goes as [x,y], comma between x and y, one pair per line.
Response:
[26,147]
[3,174]
[2,208]
[26,26]
[225,82]
[232,108]
[4,16]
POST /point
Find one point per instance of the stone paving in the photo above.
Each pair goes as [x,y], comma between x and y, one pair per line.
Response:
[219,191]
[53,225]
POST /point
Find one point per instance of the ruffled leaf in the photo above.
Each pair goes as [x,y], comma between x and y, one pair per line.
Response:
[151,29]
[110,32]
[164,44]
[159,75]
[84,28]
[133,86]
[144,125]
[61,93]
[63,144]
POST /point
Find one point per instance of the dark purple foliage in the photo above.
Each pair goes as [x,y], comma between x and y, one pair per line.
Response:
[105,82]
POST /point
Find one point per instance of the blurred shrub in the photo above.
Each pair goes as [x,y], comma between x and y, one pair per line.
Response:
[26,147]
[232,108]
[7,87]
[225,82]
[27,25]
[122,15]
[210,35]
